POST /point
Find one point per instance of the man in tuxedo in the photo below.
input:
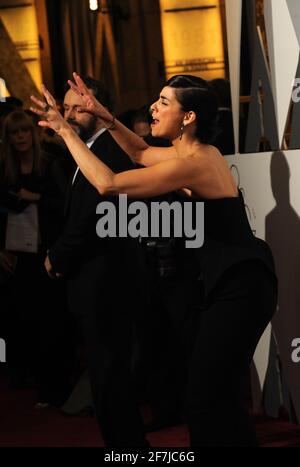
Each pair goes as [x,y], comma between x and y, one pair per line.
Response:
[97,272]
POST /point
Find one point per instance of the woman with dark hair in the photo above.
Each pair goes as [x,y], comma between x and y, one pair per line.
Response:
[236,268]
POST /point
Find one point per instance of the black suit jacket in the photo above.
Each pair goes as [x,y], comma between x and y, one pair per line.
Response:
[50,185]
[79,243]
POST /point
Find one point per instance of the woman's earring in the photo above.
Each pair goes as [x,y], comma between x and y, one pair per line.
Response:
[181,131]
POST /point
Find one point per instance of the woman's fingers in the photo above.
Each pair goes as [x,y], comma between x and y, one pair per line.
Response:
[41,104]
[81,86]
[38,102]
[38,112]
[48,96]
[82,110]
[48,110]
[74,87]
[45,124]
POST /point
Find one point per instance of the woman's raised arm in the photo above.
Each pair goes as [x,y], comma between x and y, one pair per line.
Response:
[136,148]
[151,181]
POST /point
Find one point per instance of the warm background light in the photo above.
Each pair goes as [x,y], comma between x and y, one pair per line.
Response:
[3,90]
[94,5]
[21,25]
[192,38]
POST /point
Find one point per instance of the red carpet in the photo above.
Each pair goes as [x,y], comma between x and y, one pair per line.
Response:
[24,426]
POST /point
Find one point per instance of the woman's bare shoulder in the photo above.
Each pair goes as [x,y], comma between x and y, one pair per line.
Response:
[213,178]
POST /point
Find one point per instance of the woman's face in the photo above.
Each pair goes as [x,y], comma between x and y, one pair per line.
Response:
[21,139]
[167,115]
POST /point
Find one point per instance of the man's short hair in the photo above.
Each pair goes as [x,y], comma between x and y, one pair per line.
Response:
[99,91]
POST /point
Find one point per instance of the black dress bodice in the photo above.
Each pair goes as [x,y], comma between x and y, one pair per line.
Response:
[228,240]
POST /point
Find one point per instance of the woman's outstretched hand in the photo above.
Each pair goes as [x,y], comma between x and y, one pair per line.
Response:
[49,112]
[92,105]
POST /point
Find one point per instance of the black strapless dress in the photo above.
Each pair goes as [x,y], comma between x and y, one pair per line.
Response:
[237,301]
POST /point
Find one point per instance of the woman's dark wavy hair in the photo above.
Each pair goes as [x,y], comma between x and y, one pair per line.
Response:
[197,95]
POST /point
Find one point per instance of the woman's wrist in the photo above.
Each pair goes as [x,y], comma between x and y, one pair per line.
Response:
[111,123]
[65,132]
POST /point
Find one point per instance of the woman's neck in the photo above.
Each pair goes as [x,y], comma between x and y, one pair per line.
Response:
[187,146]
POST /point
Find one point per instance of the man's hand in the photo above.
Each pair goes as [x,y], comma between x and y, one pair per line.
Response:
[50,271]
[29,196]
[7,261]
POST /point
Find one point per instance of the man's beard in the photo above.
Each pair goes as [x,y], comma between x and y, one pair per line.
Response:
[84,133]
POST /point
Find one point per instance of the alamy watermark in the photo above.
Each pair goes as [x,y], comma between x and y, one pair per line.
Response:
[2,351]
[156,219]
[295,355]
[296,90]
[2,90]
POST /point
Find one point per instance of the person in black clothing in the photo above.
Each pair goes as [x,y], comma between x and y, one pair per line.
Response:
[224,140]
[235,269]
[95,270]
[32,187]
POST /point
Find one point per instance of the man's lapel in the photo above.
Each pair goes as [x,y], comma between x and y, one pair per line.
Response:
[69,190]
[94,148]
